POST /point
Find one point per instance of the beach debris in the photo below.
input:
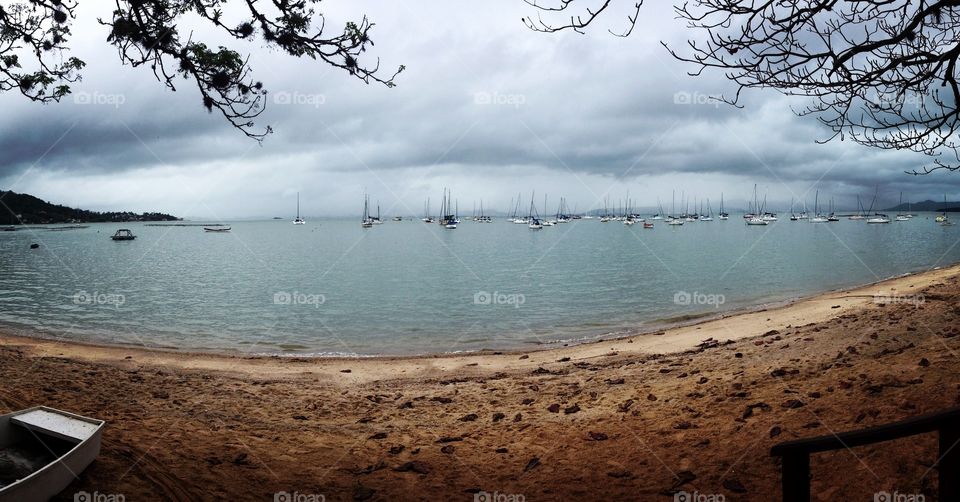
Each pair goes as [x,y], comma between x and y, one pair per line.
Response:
[571,409]
[346,371]
[450,439]
[379,435]
[501,450]
[532,464]
[448,449]
[525,356]
[625,406]
[814,395]
[618,381]
[241,459]
[406,405]
[651,397]
[528,401]
[563,359]
[682,478]
[682,425]
[396,450]
[598,436]
[703,380]
[413,466]
[924,362]
[498,416]
[775,431]
[34,246]
[541,371]
[793,404]
[554,408]
[299,417]
[361,493]
[441,399]
[734,485]
[370,468]
[779,372]
[738,355]
[470,417]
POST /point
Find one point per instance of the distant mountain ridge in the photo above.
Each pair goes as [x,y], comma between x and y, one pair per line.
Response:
[21,208]
[927,205]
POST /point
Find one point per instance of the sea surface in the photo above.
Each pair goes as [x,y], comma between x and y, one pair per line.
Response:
[331,287]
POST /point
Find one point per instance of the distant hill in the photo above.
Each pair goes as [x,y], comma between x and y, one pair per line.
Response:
[17,208]
[927,205]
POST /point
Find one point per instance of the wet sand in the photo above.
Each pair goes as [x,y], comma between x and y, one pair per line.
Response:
[693,409]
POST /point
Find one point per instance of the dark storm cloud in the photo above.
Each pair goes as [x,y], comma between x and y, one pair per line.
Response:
[482,96]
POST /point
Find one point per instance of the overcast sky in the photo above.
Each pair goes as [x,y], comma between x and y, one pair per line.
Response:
[486,107]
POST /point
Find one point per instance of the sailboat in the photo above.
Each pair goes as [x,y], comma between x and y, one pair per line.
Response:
[671,218]
[817,217]
[708,216]
[900,215]
[756,219]
[832,216]
[532,217]
[448,221]
[298,220]
[860,214]
[546,223]
[366,221]
[877,217]
[426,212]
[722,215]
[942,220]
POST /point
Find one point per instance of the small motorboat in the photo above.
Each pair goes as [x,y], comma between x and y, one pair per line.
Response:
[123,235]
[216,229]
[43,450]
[647,225]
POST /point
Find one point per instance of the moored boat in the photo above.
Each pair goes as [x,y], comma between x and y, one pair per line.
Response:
[123,235]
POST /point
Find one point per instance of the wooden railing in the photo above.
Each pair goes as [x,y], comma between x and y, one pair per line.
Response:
[796,454]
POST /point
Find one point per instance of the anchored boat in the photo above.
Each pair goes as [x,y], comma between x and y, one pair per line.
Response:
[123,235]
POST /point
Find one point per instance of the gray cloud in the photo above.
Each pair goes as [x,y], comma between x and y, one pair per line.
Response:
[485,107]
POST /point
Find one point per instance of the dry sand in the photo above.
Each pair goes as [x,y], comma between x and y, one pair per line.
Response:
[639,418]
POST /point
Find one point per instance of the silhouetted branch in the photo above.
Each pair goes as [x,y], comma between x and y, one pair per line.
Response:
[880,72]
[145,32]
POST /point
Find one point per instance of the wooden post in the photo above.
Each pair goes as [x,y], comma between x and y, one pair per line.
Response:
[796,477]
[949,464]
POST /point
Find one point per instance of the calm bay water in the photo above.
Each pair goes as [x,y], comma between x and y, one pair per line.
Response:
[330,287]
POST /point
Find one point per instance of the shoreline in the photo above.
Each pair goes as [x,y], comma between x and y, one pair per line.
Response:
[695,410]
[722,328]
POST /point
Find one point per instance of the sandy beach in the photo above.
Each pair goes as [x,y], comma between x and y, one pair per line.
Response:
[692,409]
